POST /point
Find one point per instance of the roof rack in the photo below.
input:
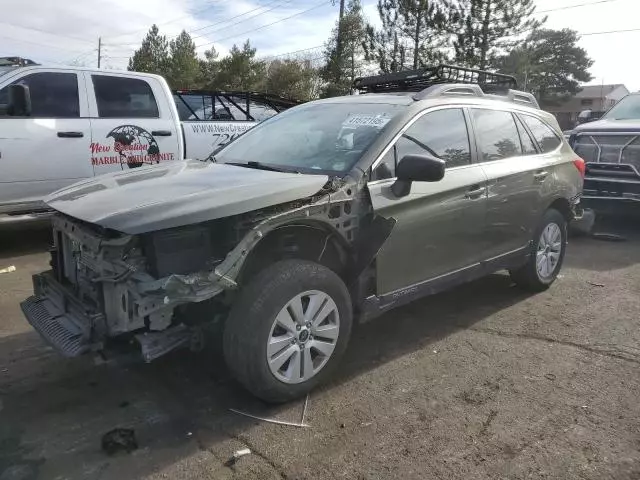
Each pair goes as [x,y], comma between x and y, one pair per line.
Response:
[417,80]
[445,80]
[16,62]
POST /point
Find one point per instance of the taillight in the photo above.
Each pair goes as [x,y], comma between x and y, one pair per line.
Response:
[579,163]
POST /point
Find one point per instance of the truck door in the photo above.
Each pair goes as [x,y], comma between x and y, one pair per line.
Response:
[131,122]
[47,150]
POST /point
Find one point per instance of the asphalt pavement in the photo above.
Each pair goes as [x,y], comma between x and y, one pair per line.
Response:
[484,382]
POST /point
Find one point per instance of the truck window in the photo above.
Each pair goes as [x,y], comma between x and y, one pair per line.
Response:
[53,95]
[121,97]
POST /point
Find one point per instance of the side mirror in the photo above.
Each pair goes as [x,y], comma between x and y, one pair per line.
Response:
[19,101]
[416,168]
[584,116]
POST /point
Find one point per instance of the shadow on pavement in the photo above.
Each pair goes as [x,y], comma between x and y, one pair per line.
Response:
[591,253]
[18,240]
[56,410]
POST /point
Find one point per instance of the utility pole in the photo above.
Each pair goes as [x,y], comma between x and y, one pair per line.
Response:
[99,50]
[339,41]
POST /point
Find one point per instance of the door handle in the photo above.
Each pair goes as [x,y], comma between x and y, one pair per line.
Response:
[474,192]
[70,134]
[161,133]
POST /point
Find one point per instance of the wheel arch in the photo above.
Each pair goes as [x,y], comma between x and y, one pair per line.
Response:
[563,206]
[312,240]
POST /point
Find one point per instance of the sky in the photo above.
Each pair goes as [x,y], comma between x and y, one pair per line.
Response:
[58,32]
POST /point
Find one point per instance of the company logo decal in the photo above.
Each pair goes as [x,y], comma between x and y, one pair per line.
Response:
[132,146]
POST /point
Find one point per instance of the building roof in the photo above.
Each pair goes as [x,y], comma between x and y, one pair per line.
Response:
[597,91]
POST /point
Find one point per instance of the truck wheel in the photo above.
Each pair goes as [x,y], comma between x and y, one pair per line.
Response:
[547,253]
[288,329]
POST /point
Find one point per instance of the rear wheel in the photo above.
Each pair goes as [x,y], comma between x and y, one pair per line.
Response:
[547,253]
[288,329]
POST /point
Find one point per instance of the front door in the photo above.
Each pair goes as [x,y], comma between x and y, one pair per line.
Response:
[47,150]
[131,123]
[438,225]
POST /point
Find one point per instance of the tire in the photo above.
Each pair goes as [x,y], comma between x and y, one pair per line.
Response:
[529,276]
[259,316]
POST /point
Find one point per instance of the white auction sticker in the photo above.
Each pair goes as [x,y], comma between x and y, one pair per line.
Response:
[366,120]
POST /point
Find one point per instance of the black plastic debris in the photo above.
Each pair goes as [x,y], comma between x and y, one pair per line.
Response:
[609,237]
[119,439]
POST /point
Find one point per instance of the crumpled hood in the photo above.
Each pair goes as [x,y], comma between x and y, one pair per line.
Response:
[609,125]
[182,193]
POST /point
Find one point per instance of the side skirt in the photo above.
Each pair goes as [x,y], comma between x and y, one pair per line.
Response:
[376,305]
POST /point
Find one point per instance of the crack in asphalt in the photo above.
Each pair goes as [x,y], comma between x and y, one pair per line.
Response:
[262,455]
[607,352]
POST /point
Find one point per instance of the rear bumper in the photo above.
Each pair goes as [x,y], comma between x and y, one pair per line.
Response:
[62,319]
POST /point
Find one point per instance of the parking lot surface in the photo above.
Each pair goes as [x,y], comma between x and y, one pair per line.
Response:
[484,381]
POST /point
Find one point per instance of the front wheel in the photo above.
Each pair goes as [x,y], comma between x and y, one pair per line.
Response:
[547,253]
[287,329]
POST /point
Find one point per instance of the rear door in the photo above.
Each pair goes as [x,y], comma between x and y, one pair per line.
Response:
[517,178]
[48,150]
[131,123]
[438,225]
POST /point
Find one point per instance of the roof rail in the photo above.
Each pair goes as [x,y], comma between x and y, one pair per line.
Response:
[418,80]
[16,62]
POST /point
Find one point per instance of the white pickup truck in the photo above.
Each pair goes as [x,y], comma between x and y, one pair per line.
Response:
[61,125]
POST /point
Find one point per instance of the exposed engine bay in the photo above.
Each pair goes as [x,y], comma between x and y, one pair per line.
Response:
[142,288]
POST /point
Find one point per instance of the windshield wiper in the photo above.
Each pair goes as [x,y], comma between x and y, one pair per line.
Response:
[261,166]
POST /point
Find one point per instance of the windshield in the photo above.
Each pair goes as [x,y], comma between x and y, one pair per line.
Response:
[626,109]
[327,138]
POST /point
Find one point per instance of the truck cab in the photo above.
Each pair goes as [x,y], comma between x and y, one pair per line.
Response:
[78,123]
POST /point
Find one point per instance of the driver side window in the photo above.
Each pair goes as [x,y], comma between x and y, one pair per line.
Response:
[441,134]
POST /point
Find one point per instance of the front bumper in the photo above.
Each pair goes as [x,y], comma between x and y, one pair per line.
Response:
[62,319]
[611,195]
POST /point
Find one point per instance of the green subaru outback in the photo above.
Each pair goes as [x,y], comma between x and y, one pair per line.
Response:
[330,212]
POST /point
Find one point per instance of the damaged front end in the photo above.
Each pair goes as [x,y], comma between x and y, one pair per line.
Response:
[108,289]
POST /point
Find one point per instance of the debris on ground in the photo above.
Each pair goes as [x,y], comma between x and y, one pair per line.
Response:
[9,269]
[487,423]
[596,284]
[610,237]
[549,376]
[236,456]
[119,439]
[269,420]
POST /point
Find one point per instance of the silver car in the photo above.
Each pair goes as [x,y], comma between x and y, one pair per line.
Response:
[335,210]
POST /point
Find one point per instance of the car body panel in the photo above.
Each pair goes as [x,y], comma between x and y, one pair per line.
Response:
[176,194]
[437,229]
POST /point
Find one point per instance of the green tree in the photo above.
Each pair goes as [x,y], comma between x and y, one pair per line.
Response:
[486,27]
[344,58]
[414,33]
[550,64]
[153,54]
[292,78]
[240,70]
[209,68]
[184,67]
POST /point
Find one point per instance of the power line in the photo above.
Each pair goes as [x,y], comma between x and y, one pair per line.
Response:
[291,53]
[40,44]
[575,6]
[282,3]
[264,26]
[46,31]
[608,32]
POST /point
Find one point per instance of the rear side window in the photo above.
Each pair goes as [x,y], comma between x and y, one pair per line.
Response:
[543,133]
[53,95]
[497,134]
[121,97]
[528,147]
